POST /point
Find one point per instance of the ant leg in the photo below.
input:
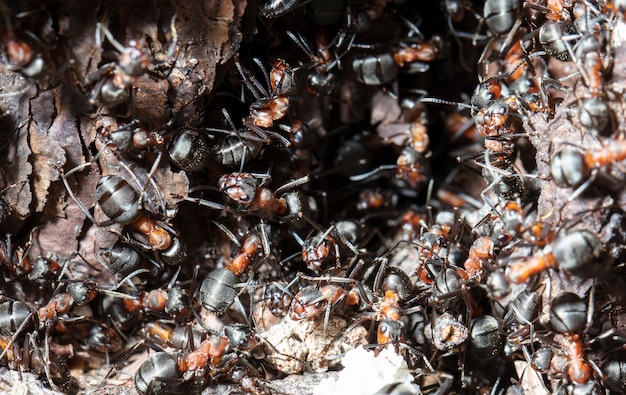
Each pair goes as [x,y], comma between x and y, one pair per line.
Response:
[100,28]
[306,364]
[421,355]
[483,64]
[228,233]
[375,172]
[142,187]
[265,240]
[46,358]
[590,309]
[127,280]
[119,362]
[445,386]
[265,74]
[508,41]
[582,187]
[292,184]
[327,317]
[250,82]
[242,310]
[378,280]
[210,204]
[172,49]
[153,170]
[16,93]
[19,330]
[164,69]
[104,264]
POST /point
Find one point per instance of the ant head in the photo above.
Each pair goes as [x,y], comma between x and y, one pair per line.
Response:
[134,60]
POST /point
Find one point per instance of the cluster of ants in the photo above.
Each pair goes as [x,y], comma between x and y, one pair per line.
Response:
[348,170]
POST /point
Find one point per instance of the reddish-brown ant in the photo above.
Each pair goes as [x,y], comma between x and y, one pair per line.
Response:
[322,80]
[31,357]
[111,83]
[271,105]
[376,199]
[482,249]
[311,301]
[180,337]
[320,247]
[123,205]
[25,52]
[247,189]
[15,260]
[570,316]
[576,252]
[411,168]
[120,203]
[422,51]
[217,291]
[133,138]
[573,168]
[216,355]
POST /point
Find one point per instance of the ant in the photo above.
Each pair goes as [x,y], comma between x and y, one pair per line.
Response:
[126,309]
[180,337]
[322,80]
[187,148]
[132,138]
[216,355]
[162,368]
[576,251]
[102,339]
[269,106]
[375,68]
[311,301]
[411,168]
[241,145]
[173,301]
[482,249]
[111,83]
[376,199]
[416,52]
[518,320]
[31,357]
[21,48]
[591,65]
[317,248]
[217,290]
[248,191]
[277,298]
[120,202]
[392,286]
[570,316]
[572,168]
[19,265]
[123,205]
